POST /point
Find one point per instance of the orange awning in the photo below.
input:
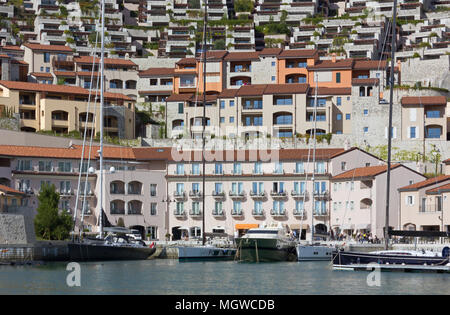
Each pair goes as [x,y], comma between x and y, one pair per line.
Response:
[246,226]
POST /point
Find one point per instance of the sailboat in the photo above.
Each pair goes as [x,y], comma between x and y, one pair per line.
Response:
[313,251]
[387,259]
[204,251]
[116,245]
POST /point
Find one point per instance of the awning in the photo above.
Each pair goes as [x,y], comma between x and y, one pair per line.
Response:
[246,226]
[362,226]
[296,226]
[183,228]
[218,227]
[348,226]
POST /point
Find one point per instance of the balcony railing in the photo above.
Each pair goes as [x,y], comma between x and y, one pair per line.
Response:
[255,194]
[278,194]
[299,213]
[218,213]
[237,194]
[278,213]
[195,213]
[218,194]
[195,194]
[117,211]
[320,213]
[299,194]
[179,195]
[258,213]
[321,194]
[179,213]
[236,213]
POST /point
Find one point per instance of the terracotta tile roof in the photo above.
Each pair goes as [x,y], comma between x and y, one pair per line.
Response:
[251,90]
[48,47]
[228,93]
[293,88]
[108,61]
[362,172]
[439,190]
[179,97]
[238,56]
[297,53]
[4,56]
[157,72]
[21,62]
[9,190]
[64,89]
[447,161]
[424,100]
[329,64]
[65,73]
[214,55]
[330,91]
[369,64]
[11,47]
[427,182]
[42,74]
[66,153]
[155,92]
[87,74]
[368,81]
[270,52]
[155,154]
[187,61]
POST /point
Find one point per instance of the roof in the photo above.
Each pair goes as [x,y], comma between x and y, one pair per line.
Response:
[179,97]
[9,190]
[369,64]
[297,88]
[251,90]
[213,55]
[186,61]
[270,51]
[228,93]
[48,47]
[157,72]
[361,172]
[368,81]
[65,89]
[440,189]
[42,74]
[107,61]
[65,73]
[447,161]
[10,47]
[424,100]
[330,64]
[330,91]
[297,53]
[426,183]
[238,56]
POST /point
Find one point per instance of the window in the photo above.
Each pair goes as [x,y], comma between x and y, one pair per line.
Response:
[338,77]
[343,166]
[196,169]
[366,129]
[231,103]
[237,168]
[153,81]
[257,168]
[222,120]
[180,208]
[433,132]
[231,119]
[299,168]
[153,208]
[152,190]
[180,169]
[283,100]
[218,209]
[237,188]
[257,188]
[180,108]
[410,200]
[152,232]
[338,101]
[222,104]
[180,188]
[412,132]
[46,57]
[258,207]
[45,166]
[273,78]
[47,69]
[278,187]
[218,169]
[366,112]
[320,167]
[218,188]
[347,116]
[273,63]
[237,207]
[42,69]
[278,168]
[433,114]
[299,187]
[339,117]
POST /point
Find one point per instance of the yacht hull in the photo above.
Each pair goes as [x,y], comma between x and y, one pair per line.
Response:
[342,258]
[186,253]
[102,252]
[265,250]
[314,253]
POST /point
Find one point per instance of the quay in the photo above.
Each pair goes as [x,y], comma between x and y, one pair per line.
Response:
[394,268]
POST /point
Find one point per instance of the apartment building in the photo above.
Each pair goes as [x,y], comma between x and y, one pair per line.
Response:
[425,117]
[132,190]
[246,188]
[40,58]
[62,109]
[424,205]
[447,166]
[359,198]
[10,198]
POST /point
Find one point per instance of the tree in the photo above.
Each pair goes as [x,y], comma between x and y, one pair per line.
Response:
[243,5]
[49,224]
[219,44]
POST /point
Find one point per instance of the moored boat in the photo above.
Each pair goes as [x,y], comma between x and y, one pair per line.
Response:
[265,244]
[205,252]
[314,252]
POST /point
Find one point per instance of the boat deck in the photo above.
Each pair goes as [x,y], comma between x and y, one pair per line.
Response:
[401,268]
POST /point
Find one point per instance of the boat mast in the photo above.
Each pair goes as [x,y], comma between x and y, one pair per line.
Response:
[391,97]
[205,20]
[314,157]
[101,114]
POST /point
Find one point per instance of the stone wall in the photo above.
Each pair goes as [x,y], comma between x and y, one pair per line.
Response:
[12,229]
[9,123]
[434,72]
[154,62]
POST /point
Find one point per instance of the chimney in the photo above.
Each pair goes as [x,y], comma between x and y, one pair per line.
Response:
[333,57]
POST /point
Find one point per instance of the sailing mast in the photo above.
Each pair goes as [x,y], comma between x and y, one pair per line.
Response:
[391,97]
[314,158]
[205,20]
[100,152]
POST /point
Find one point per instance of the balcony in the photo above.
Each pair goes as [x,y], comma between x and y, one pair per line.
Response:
[195,194]
[300,194]
[320,213]
[218,194]
[179,213]
[278,194]
[278,213]
[257,195]
[299,213]
[324,195]
[218,213]
[179,195]
[236,213]
[237,195]
[195,213]
[258,213]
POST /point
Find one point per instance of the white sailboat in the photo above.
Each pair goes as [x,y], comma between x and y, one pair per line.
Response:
[204,251]
[116,245]
[313,251]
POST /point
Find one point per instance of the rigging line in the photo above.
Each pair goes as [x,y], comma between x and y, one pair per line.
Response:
[84,137]
[384,43]
[347,200]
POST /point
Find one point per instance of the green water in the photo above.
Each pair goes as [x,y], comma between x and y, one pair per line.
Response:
[172,277]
